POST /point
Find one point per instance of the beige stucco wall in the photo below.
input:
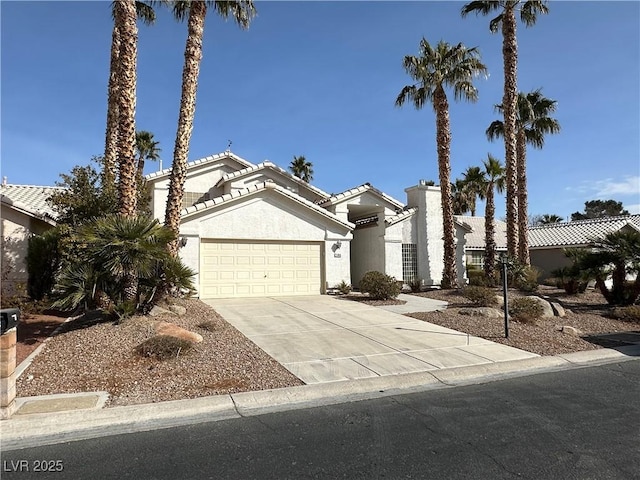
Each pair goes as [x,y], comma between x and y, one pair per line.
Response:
[15,229]
[548,259]
[429,232]
[269,216]
[367,251]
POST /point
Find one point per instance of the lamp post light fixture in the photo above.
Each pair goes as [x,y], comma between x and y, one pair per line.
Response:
[504,261]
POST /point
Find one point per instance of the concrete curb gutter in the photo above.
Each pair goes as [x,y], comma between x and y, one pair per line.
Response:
[47,429]
[23,431]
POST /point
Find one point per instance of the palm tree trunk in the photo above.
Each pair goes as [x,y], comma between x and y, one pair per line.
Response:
[190,73]
[443,140]
[111,140]
[490,236]
[126,20]
[523,216]
[509,103]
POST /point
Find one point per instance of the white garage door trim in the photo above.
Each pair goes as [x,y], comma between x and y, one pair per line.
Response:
[243,268]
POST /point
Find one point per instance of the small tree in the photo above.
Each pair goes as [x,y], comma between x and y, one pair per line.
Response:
[600,209]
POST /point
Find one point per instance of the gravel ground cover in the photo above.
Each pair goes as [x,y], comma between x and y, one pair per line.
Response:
[587,312]
[90,355]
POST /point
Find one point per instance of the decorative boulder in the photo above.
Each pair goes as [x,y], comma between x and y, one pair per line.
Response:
[546,306]
[481,312]
[570,330]
[558,310]
[173,330]
[157,311]
[178,310]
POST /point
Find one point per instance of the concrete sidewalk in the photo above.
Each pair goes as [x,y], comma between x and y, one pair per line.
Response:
[327,339]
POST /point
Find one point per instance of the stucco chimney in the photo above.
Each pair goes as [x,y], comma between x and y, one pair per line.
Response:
[427,199]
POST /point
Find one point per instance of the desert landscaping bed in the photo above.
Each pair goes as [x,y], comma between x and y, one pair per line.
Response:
[586,312]
[88,355]
[92,355]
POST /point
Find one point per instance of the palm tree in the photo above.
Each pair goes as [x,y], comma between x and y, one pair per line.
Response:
[145,13]
[548,219]
[494,180]
[461,197]
[125,14]
[506,20]
[473,182]
[301,168]
[147,149]
[532,124]
[242,11]
[433,70]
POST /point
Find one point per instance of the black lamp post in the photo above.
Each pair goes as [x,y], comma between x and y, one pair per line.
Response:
[504,261]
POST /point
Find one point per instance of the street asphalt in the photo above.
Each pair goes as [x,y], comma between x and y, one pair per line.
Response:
[344,351]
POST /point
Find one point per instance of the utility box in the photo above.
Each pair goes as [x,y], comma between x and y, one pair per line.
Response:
[9,318]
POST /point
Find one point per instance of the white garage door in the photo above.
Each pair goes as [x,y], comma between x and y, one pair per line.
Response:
[259,269]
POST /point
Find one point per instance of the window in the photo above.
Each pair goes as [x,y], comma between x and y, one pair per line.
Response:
[409,262]
[476,258]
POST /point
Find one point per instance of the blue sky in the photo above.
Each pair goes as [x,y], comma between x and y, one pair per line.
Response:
[320,79]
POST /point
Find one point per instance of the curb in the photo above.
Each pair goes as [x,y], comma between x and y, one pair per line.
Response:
[46,429]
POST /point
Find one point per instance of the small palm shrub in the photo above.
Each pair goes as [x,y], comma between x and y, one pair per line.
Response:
[570,279]
[480,296]
[630,313]
[344,288]
[163,347]
[525,310]
[379,286]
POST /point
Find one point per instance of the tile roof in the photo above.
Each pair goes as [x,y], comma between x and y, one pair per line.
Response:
[271,166]
[253,189]
[475,238]
[579,232]
[366,187]
[393,219]
[31,199]
[201,161]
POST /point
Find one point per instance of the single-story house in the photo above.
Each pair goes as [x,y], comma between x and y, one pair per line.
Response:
[256,229]
[474,239]
[547,242]
[23,211]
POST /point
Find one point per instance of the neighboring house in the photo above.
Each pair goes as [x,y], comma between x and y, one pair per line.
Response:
[257,230]
[474,239]
[547,242]
[23,211]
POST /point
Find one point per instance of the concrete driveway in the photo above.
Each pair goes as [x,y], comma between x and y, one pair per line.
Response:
[322,338]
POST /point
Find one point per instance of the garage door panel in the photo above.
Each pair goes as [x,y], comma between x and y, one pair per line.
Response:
[249,269]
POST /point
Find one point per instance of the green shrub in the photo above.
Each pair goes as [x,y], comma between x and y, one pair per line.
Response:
[630,313]
[525,310]
[43,262]
[477,278]
[415,285]
[163,347]
[379,286]
[481,296]
[344,288]
[527,279]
